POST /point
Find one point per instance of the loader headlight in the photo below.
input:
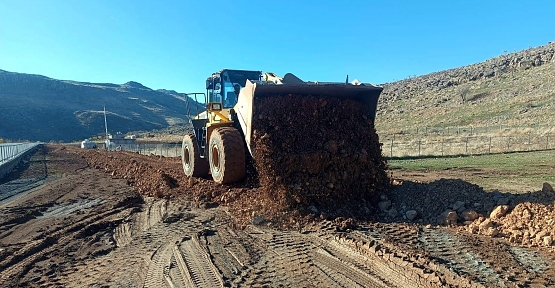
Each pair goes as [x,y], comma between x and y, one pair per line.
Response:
[216,106]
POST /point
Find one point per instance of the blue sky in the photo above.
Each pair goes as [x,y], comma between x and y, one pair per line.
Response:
[177,44]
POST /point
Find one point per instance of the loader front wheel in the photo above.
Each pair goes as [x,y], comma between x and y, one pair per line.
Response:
[226,155]
[193,165]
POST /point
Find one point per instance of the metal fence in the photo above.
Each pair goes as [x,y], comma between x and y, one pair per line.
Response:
[159,149]
[473,130]
[10,151]
[403,145]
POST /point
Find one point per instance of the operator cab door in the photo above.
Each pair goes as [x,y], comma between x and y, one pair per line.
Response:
[214,89]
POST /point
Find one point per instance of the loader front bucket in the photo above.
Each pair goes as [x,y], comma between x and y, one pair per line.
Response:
[366,95]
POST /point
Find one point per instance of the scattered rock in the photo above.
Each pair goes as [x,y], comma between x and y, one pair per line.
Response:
[258,219]
[492,232]
[384,205]
[547,188]
[485,225]
[392,213]
[312,209]
[458,205]
[411,215]
[499,211]
[469,215]
[448,218]
[547,240]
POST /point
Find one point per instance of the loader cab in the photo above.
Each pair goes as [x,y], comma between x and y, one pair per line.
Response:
[224,86]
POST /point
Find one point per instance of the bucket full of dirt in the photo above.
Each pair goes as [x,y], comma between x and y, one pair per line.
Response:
[317,151]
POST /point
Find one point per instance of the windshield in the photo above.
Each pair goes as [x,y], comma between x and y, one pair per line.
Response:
[232,82]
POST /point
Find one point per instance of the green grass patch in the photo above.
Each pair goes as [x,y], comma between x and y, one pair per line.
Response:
[516,172]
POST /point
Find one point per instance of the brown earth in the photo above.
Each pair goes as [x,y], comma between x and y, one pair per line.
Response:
[88,218]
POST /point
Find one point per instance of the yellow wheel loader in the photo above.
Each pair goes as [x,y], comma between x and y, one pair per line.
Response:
[221,135]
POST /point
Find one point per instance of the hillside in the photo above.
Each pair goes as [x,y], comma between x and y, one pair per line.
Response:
[36,107]
[516,89]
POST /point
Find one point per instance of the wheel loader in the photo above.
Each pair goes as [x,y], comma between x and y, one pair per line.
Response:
[222,134]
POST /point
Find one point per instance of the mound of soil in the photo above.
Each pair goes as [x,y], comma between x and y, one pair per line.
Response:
[321,153]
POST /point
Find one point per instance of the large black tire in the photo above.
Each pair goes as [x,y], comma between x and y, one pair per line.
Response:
[193,165]
[226,155]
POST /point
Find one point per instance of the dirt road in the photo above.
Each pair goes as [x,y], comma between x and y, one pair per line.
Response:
[76,218]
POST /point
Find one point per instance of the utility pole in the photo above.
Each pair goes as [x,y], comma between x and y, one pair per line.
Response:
[105,123]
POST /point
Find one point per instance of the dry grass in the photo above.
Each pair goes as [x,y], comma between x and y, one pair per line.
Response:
[522,99]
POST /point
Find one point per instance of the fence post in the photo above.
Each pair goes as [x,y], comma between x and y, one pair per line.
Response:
[466,146]
[442,140]
[489,147]
[419,143]
[391,147]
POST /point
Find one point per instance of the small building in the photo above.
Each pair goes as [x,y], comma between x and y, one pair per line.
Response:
[119,142]
[88,144]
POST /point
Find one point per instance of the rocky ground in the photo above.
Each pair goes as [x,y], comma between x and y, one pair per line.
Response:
[83,218]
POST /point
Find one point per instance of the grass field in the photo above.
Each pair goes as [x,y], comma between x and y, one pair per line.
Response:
[511,172]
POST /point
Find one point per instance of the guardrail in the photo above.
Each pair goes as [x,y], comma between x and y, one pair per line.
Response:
[9,151]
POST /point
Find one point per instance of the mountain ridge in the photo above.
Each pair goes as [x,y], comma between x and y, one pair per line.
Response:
[37,107]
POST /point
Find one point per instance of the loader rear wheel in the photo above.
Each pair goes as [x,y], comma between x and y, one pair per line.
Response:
[193,165]
[226,155]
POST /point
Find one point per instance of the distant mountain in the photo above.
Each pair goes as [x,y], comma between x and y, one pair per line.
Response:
[36,107]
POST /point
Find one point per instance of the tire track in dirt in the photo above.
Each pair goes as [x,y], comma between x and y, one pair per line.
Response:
[341,273]
[310,260]
[532,261]
[20,262]
[200,269]
[450,251]
[156,275]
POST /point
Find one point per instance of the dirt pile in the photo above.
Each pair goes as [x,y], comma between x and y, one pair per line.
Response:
[153,176]
[528,222]
[315,152]
[524,219]
[444,200]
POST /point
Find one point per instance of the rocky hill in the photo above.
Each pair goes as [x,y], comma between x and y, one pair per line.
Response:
[36,107]
[516,89]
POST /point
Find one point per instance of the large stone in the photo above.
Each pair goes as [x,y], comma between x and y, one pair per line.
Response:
[469,215]
[392,213]
[384,205]
[547,188]
[411,215]
[547,241]
[499,211]
[485,225]
[448,217]
[458,205]
[492,232]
